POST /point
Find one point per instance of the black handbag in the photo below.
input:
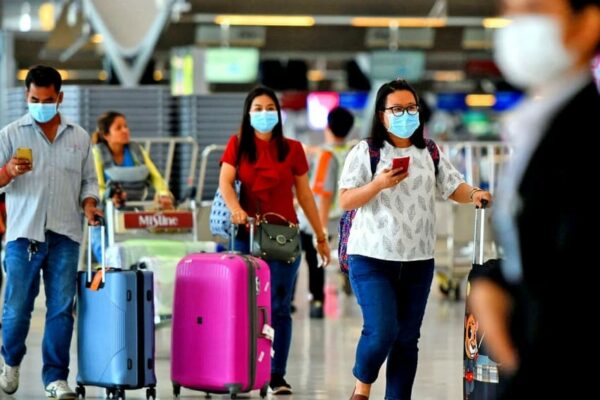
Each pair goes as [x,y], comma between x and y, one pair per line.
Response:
[275,242]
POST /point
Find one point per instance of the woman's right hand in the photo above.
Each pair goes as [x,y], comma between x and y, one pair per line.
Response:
[389,178]
[119,199]
[239,216]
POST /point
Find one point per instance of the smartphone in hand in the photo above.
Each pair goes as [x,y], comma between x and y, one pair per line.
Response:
[401,163]
[25,153]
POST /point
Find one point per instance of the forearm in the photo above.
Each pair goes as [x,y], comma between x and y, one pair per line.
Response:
[463,193]
[229,196]
[89,202]
[5,176]
[491,306]
[307,202]
[351,199]
[324,206]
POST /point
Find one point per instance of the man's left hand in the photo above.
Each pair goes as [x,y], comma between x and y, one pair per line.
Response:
[91,212]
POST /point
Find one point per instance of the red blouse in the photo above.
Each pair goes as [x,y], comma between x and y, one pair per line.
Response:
[268,184]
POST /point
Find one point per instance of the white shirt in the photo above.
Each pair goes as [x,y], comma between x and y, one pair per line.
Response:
[398,224]
[524,131]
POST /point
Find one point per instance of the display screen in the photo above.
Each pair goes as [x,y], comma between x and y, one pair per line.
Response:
[318,105]
[354,100]
[389,65]
[231,65]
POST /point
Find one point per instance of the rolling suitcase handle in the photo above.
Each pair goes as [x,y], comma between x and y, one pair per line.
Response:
[233,231]
[479,239]
[103,249]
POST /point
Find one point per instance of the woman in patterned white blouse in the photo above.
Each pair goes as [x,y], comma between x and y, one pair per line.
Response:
[391,243]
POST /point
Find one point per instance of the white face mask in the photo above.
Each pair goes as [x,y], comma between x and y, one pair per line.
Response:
[530,51]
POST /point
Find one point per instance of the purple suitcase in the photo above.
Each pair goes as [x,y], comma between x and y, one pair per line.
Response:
[221,337]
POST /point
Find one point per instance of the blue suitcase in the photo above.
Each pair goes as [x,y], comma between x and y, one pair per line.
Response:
[115,331]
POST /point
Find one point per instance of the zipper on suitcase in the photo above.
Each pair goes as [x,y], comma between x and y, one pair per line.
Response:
[253,318]
[141,322]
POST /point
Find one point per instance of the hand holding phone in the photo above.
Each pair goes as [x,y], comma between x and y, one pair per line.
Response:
[401,163]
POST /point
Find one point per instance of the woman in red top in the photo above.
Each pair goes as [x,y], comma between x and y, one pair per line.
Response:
[270,167]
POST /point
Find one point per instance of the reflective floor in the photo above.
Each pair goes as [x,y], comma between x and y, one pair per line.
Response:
[322,352]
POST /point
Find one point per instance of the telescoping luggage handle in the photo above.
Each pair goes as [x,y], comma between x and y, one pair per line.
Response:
[102,249]
[479,239]
[251,221]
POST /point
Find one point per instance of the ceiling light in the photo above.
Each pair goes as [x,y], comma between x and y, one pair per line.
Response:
[46,16]
[315,75]
[449,76]
[495,23]
[265,20]
[415,22]
[481,100]
[96,38]
[25,18]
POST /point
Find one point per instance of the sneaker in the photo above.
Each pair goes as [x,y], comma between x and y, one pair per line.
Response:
[9,379]
[278,385]
[60,390]
[316,309]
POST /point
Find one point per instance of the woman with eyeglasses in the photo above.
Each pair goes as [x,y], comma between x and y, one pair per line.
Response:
[391,243]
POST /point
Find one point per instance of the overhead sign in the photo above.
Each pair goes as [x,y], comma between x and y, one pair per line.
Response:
[389,65]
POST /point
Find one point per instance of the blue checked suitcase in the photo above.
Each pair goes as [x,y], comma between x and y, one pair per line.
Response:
[115,330]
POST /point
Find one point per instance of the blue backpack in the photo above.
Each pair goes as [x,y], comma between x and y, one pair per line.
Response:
[348,216]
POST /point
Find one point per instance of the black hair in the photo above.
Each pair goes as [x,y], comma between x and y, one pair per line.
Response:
[247,146]
[579,5]
[379,133]
[103,125]
[340,122]
[43,76]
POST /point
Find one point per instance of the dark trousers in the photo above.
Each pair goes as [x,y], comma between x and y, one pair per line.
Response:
[316,275]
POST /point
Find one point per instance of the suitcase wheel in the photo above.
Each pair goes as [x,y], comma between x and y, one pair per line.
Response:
[263,391]
[120,394]
[151,394]
[176,390]
[110,393]
[80,391]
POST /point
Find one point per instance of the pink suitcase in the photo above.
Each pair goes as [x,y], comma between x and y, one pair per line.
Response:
[221,339]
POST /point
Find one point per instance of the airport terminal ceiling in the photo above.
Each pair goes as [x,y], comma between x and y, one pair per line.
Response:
[327,40]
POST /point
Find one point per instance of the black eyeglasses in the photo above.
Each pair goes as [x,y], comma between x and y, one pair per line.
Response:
[398,111]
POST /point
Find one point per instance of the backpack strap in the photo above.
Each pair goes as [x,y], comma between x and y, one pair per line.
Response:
[434,152]
[375,155]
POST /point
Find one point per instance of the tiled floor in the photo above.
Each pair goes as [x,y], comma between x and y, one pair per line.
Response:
[321,358]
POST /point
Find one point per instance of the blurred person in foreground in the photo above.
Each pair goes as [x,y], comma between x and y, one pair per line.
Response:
[547,234]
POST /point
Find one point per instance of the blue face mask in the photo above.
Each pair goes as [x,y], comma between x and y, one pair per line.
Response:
[42,112]
[403,126]
[264,121]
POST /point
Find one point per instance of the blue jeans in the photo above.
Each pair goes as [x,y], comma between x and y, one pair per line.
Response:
[283,276]
[392,297]
[57,259]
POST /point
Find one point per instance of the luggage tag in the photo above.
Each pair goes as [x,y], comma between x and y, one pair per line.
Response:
[268,332]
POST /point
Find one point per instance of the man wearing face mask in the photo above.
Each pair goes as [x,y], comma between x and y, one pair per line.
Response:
[48,188]
[546,234]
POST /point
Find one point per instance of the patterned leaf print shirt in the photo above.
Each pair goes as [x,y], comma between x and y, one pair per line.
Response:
[398,224]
